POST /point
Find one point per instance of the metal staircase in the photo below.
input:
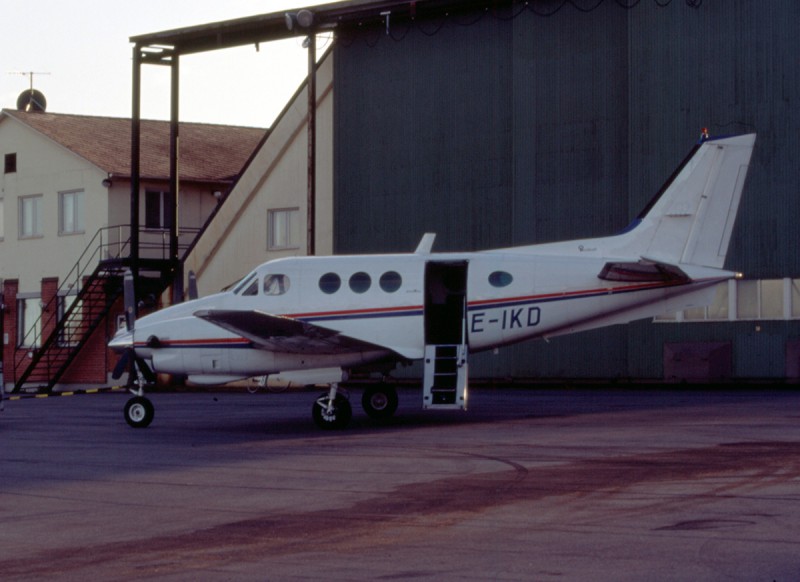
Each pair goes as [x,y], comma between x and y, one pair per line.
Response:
[82,303]
[70,327]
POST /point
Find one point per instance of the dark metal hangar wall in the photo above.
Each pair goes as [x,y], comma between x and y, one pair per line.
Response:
[542,121]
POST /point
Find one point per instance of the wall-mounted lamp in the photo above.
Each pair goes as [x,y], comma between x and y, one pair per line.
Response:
[106,182]
[217,194]
[304,18]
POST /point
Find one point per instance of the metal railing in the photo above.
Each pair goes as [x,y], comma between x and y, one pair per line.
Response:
[110,245]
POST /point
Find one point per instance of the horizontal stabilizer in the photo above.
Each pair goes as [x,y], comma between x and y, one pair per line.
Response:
[643,272]
[283,334]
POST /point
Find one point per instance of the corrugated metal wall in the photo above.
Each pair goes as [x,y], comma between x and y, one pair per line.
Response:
[505,127]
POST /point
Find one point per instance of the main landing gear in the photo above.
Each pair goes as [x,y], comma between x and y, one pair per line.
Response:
[379,401]
[332,410]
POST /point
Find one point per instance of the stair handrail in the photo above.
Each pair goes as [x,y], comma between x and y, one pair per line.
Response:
[108,243]
[86,263]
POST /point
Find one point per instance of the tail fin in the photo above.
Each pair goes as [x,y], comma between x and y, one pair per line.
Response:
[691,218]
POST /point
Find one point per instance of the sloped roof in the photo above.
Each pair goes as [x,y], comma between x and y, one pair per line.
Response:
[208,153]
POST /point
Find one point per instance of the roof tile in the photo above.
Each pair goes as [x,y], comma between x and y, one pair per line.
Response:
[208,152]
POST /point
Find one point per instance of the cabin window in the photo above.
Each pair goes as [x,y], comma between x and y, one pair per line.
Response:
[390,281]
[360,282]
[276,284]
[500,279]
[329,283]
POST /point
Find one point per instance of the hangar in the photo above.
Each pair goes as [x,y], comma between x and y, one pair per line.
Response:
[498,123]
[506,123]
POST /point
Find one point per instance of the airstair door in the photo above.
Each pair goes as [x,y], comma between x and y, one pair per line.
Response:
[445,375]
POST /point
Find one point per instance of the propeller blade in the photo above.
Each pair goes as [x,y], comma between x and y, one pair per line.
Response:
[122,364]
[129,296]
[191,292]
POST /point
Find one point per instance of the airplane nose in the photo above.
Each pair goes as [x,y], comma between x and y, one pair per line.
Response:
[121,341]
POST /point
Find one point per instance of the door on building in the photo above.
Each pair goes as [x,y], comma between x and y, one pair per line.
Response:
[445,374]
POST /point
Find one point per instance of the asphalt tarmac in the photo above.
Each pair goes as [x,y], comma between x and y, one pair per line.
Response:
[530,484]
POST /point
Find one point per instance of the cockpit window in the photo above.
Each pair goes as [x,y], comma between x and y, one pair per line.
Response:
[329,283]
[244,283]
[500,279]
[251,289]
[276,284]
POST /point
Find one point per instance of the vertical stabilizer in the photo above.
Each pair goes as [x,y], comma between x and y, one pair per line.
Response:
[691,219]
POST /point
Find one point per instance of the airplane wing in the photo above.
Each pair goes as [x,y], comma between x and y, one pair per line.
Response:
[643,271]
[284,334]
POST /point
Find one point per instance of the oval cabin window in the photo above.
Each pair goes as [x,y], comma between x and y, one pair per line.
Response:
[330,283]
[391,281]
[360,282]
[500,279]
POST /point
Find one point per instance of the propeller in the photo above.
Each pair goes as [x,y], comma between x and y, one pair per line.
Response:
[129,361]
[191,292]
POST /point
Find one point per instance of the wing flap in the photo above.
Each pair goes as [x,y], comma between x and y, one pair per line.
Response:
[284,334]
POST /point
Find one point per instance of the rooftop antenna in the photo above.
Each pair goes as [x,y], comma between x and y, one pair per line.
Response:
[32,99]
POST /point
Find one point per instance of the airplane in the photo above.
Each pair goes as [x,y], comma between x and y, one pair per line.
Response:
[317,319]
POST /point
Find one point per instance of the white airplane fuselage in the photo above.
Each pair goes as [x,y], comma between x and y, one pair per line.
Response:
[542,295]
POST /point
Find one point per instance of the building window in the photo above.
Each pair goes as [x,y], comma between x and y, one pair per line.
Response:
[30,216]
[158,208]
[68,336]
[70,212]
[29,321]
[283,229]
[10,164]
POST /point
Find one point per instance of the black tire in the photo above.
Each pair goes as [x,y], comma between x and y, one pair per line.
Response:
[338,418]
[139,412]
[379,402]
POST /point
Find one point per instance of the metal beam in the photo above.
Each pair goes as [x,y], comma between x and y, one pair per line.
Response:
[312,149]
[136,129]
[174,180]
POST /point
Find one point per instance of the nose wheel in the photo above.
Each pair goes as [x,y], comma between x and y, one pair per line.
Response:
[139,412]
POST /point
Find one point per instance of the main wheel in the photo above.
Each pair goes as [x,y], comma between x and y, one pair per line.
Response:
[380,401]
[139,412]
[337,418]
